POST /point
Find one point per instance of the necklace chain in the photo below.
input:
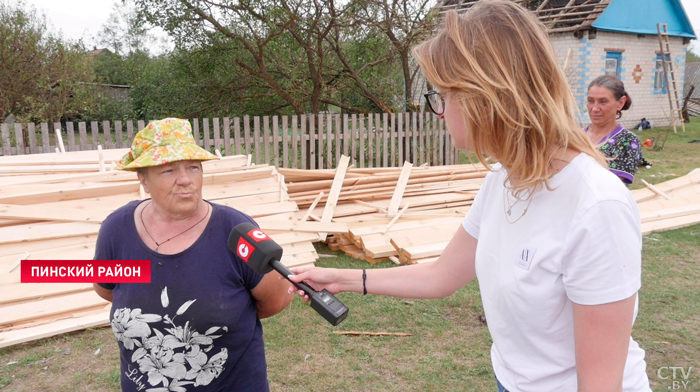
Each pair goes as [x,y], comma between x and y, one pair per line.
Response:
[510,206]
[183,232]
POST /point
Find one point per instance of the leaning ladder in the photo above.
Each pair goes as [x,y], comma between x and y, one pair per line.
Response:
[671,88]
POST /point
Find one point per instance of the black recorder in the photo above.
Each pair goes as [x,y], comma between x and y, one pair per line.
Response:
[263,255]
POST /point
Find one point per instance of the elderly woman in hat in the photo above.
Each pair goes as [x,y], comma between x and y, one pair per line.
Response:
[196,326]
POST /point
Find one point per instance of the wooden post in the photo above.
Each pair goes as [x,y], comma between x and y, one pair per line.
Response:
[108,135]
[217,134]
[247,135]
[346,136]
[386,130]
[276,141]
[285,142]
[312,142]
[227,137]
[45,140]
[195,132]
[31,133]
[118,135]
[59,141]
[256,138]
[129,133]
[71,136]
[442,142]
[303,141]
[400,138]
[378,138]
[237,134]
[5,130]
[266,139]
[414,135]
[393,136]
[354,138]
[321,142]
[205,134]
[337,139]
[82,130]
[19,139]
[295,141]
[362,140]
[95,130]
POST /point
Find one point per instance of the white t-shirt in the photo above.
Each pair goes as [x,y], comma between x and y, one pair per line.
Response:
[580,242]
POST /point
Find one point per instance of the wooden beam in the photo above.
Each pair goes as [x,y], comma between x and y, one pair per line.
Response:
[400,188]
[334,193]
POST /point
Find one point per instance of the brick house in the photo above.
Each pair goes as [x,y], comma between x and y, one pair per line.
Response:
[616,37]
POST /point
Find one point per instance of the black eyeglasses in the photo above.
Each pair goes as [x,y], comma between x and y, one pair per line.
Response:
[435,102]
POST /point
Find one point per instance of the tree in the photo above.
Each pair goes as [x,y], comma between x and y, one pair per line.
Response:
[297,54]
[43,78]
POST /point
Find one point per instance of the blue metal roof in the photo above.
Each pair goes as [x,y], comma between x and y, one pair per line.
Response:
[641,17]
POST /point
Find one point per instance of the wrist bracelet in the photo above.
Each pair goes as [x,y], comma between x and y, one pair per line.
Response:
[364,280]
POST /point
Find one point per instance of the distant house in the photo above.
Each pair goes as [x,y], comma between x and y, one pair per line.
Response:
[692,87]
[617,37]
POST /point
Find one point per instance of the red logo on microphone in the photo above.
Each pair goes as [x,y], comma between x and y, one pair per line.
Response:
[244,249]
[258,235]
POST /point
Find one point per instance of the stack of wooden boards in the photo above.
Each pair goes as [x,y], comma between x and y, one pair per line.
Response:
[431,202]
[406,215]
[50,212]
[669,205]
[51,207]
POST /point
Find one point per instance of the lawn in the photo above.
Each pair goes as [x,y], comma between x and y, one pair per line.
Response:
[449,346]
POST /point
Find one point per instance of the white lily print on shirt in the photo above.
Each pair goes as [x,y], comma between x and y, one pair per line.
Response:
[174,360]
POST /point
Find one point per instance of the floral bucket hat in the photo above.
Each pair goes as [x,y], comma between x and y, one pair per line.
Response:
[162,142]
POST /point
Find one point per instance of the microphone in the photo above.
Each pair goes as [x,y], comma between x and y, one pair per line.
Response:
[263,255]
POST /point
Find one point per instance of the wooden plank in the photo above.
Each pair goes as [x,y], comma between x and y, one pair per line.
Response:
[346,137]
[353,139]
[195,132]
[236,136]
[320,148]
[24,312]
[421,139]
[108,134]
[284,138]
[70,131]
[656,190]
[19,248]
[385,132]
[256,138]
[334,193]
[378,140]
[266,223]
[285,142]
[670,213]
[118,134]
[205,134]
[266,139]
[82,131]
[31,131]
[56,328]
[393,137]
[303,142]
[429,250]
[26,233]
[227,150]
[19,139]
[78,192]
[400,188]
[670,224]
[129,133]
[247,135]
[312,143]
[370,138]
[45,139]
[434,138]
[5,131]
[441,142]
[140,125]
[337,138]
[68,215]
[217,135]
[362,140]
[295,143]
[329,142]
[414,134]
[95,131]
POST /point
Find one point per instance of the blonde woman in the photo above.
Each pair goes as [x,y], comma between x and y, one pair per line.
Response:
[553,237]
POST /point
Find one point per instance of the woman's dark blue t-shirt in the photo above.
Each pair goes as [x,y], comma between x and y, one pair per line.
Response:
[194,328]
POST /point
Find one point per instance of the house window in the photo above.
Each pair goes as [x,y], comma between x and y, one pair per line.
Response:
[659,77]
[612,63]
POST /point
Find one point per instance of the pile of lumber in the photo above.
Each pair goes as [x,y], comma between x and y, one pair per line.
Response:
[671,204]
[405,215]
[409,215]
[56,214]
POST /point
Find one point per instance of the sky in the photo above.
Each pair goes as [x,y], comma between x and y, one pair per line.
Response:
[84,18]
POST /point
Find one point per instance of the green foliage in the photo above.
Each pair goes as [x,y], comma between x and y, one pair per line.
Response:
[691,57]
[43,78]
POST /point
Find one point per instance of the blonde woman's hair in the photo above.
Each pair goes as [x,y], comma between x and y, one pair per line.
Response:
[497,64]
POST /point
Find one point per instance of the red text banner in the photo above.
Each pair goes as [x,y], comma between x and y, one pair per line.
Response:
[86,271]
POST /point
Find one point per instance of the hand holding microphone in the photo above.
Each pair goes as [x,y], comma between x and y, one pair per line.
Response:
[263,255]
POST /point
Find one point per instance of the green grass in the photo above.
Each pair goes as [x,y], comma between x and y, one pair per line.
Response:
[449,349]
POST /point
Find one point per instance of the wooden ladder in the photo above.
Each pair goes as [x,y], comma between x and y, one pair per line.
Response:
[671,88]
